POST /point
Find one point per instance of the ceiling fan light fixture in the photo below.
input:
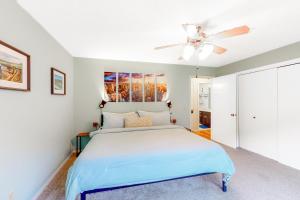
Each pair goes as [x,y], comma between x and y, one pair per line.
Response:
[205,51]
[188,52]
[191,30]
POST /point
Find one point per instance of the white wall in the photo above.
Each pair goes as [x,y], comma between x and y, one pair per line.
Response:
[89,85]
[35,127]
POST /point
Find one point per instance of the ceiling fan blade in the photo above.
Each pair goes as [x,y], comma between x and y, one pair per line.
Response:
[233,32]
[168,46]
[219,50]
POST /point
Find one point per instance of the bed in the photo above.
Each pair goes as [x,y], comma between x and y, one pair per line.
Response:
[124,157]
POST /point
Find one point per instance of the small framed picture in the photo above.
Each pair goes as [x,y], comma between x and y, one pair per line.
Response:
[58,82]
[14,68]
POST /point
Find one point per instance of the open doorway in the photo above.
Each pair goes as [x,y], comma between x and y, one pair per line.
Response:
[201,106]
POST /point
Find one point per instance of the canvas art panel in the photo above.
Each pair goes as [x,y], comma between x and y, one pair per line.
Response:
[161,87]
[110,85]
[14,68]
[134,87]
[58,82]
[137,87]
[123,87]
[149,87]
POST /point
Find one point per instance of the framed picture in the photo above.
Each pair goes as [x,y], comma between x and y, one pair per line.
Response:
[58,82]
[14,68]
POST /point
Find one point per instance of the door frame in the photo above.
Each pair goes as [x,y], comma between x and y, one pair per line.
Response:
[190,102]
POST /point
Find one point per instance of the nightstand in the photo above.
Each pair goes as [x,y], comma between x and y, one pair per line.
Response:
[78,141]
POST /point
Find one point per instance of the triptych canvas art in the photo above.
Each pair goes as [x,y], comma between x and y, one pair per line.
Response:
[134,87]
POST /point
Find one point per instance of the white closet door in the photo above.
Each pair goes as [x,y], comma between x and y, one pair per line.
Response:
[223,110]
[289,115]
[258,112]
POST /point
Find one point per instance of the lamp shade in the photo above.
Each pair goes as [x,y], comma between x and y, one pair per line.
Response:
[169,103]
[102,104]
[205,51]
[188,52]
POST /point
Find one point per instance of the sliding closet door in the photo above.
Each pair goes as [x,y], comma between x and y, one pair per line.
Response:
[289,115]
[258,112]
[223,110]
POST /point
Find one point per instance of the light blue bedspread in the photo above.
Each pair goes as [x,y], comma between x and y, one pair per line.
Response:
[119,157]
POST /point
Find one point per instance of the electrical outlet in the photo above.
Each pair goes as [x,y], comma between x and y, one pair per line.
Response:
[11,196]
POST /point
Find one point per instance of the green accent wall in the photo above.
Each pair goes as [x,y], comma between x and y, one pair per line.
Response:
[35,127]
[88,87]
[88,84]
[285,53]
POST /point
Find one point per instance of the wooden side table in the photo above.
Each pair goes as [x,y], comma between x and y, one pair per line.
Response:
[78,142]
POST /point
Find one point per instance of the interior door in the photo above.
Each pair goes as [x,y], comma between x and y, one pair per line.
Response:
[288,115]
[223,110]
[258,112]
[194,104]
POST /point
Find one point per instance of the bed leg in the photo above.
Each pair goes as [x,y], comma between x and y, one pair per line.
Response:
[82,196]
[225,181]
[224,186]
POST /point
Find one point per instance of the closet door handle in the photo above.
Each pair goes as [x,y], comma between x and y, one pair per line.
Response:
[232,115]
[254,117]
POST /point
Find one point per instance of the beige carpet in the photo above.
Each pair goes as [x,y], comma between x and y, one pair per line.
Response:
[56,188]
[256,178]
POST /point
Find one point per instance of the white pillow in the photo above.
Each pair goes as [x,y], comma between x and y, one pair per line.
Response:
[116,120]
[158,118]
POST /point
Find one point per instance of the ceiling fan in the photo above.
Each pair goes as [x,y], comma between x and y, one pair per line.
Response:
[199,42]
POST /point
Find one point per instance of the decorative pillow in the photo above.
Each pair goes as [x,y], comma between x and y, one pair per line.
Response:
[158,118]
[115,120]
[138,122]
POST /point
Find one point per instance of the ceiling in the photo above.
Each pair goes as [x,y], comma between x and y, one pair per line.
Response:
[129,30]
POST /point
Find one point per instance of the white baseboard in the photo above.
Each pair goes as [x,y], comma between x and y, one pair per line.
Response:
[51,177]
